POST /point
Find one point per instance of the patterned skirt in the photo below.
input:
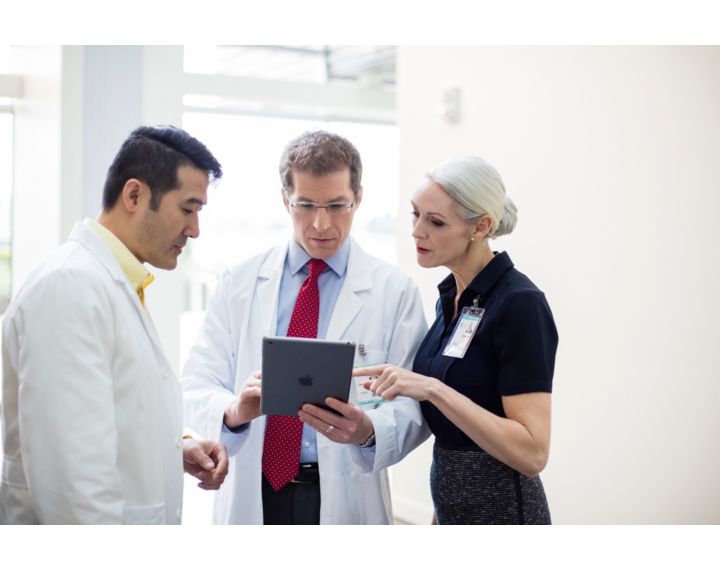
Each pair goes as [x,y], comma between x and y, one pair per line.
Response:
[471,487]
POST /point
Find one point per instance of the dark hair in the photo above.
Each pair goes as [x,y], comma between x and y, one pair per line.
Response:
[320,153]
[153,155]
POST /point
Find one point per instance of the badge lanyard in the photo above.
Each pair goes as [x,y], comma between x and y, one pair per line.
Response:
[465,328]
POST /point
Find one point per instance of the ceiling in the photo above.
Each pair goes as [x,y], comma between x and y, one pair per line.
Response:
[366,66]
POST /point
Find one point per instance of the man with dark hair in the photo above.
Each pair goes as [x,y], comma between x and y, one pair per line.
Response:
[324,466]
[92,413]
[154,154]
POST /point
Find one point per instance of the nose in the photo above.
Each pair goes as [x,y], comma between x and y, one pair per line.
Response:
[322,220]
[192,230]
[416,233]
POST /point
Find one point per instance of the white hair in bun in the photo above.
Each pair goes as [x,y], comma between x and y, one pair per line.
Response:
[478,189]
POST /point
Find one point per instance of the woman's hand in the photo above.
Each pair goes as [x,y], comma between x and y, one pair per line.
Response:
[392,381]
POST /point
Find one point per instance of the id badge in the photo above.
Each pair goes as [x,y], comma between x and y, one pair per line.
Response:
[465,328]
[365,398]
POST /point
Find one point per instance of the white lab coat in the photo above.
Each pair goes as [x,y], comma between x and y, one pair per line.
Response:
[92,413]
[379,307]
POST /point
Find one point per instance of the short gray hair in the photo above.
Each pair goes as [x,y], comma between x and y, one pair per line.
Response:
[320,153]
[478,189]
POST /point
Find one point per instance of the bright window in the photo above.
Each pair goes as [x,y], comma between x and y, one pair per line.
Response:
[6,161]
[245,213]
[5,59]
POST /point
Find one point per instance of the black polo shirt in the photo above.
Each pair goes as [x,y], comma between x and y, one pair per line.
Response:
[512,352]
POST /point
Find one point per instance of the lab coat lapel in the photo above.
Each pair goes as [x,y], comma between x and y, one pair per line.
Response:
[84,235]
[148,324]
[350,300]
[268,285]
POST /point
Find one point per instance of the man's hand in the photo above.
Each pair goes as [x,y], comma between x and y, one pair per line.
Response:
[349,425]
[246,407]
[207,461]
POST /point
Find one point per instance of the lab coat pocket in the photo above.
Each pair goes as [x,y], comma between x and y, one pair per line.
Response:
[145,514]
[13,474]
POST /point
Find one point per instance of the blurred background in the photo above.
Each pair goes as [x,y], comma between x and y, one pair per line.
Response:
[612,155]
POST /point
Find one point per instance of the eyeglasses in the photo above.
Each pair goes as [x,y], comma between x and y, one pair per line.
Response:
[310,209]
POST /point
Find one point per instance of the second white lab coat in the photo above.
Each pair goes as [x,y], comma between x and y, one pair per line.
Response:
[378,307]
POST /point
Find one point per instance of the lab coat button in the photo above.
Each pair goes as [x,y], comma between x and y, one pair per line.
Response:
[178,442]
[179,514]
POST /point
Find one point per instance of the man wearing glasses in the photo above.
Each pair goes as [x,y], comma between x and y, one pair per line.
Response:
[305,470]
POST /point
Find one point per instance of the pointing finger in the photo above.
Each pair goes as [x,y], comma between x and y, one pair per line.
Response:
[369,370]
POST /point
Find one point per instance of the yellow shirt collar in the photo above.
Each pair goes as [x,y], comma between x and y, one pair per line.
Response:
[136,273]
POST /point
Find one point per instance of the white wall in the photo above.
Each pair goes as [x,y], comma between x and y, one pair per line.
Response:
[613,158]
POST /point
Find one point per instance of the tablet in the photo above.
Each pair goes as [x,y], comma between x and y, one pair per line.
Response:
[296,371]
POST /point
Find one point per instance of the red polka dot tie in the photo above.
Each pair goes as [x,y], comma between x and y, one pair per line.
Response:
[283,434]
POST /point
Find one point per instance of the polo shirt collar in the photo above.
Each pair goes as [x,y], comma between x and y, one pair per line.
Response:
[297,258]
[484,281]
[135,272]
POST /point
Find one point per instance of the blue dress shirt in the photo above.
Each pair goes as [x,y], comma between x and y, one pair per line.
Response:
[330,282]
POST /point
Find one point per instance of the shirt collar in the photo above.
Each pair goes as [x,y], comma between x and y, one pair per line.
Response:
[135,272]
[484,281]
[297,258]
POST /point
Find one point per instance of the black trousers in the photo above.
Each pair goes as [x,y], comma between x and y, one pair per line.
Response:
[296,503]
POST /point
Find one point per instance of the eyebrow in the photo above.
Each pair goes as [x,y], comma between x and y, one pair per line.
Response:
[308,200]
[428,213]
[195,201]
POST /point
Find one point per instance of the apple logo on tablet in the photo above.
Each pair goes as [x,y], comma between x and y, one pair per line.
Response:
[306,380]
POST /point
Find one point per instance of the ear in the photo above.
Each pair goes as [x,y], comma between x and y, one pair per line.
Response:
[133,194]
[481,228]
[285,200]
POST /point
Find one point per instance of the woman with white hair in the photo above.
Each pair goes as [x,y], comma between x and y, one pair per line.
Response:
[483,373]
